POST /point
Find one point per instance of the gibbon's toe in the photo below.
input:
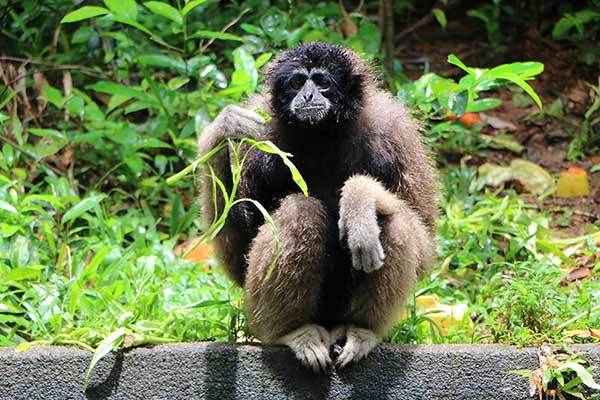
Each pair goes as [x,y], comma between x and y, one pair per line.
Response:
[310,344]
[359,343]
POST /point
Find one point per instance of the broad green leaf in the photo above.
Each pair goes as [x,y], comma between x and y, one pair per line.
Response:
[123,8]
[8,207]
[81,207]
[177,82]
[134,23]
[163,60]
[54,96]
[191,5]
[215,35]
[3,117]
[483,104]
[585,376]
[8,98]
[440,16]
[165,10]
[84,12]
[114,88]
[297,34]
[253,29]
[262,60]
[47,132]
[524,70]
[521,83]
[22,273]
[49,145]
[111,342]
[452,59]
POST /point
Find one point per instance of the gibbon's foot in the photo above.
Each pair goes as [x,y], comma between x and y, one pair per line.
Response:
[359,343]
[310,344]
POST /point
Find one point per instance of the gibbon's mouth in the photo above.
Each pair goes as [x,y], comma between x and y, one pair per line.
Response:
[311,114]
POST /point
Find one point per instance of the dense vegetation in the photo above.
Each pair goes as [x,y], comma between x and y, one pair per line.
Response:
[101,102]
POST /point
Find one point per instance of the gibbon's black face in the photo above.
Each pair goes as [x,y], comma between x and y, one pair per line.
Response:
[315,84]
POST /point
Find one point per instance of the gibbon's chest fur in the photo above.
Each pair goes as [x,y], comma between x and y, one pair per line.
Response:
[325,159]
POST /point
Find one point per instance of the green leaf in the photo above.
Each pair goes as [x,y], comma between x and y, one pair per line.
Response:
[135,24]
[84,12]
[215,35]
[252,29]
[118,89]
[524,70]
[47,132]
[123,8]
[177,82]
[111,342]
[82,207]
[8,207]
[270,147]
[262,60]
[440,16]
[521,83]
[22,273]
[165,10]
[483,104]
[585,376]
[3,117]
[190,6]
[452,59]
[163,60]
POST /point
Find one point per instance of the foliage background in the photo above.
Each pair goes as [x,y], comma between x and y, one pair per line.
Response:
[99,110]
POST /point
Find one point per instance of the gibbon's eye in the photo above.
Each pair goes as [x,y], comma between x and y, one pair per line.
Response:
[322,80]
[297,81]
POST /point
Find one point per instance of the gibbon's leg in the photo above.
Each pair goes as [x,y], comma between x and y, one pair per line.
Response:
[283,307]
[391,248]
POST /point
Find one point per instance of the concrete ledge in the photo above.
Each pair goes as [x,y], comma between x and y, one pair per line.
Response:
[229,371]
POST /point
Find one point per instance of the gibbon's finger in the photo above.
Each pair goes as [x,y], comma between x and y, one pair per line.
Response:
[341,229]
[359,343]
[310,344]
[376,258]
[367,260]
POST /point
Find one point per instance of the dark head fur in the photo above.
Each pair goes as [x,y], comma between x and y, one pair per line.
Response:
[350,75]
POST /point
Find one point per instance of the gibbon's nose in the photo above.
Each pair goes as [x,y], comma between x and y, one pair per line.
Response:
[308,91]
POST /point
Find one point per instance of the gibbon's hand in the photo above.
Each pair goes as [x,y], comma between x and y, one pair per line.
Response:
[362,234]
[236,123]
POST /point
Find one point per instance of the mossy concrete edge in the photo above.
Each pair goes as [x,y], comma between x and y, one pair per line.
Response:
[245,371]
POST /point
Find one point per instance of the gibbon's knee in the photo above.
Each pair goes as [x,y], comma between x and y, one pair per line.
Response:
[377,300]
[288,297]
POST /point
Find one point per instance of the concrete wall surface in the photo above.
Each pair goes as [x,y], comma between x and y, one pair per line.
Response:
[234,371]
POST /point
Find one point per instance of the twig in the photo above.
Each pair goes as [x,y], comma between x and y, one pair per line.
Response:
[83,68]
[421,22]
[575,318]
[426,19]
[229,25]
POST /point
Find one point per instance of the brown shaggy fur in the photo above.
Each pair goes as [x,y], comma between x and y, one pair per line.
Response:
[370,175]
